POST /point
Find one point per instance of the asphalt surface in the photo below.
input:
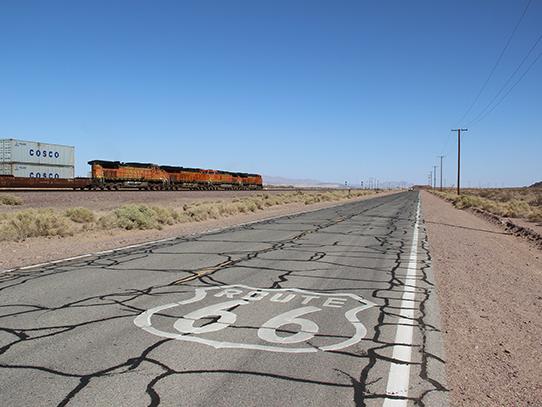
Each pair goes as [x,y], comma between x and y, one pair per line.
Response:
[332,307]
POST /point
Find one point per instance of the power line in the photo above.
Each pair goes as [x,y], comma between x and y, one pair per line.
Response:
[446,148]
[485,112]
[496,63]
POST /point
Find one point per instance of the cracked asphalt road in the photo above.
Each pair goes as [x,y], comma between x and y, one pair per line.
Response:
[313,307]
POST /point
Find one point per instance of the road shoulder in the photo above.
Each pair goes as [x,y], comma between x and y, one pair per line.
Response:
[489,284]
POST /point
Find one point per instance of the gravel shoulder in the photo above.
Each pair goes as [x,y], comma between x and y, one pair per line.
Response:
[39,250]
[489,285]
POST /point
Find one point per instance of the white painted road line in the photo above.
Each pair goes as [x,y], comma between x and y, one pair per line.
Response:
[399,376]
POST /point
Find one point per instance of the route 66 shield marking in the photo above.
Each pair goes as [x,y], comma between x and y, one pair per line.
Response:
[276,320]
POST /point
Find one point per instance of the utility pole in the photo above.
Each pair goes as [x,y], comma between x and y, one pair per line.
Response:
[441,157]
[459,158]
[430,179]
[435,176]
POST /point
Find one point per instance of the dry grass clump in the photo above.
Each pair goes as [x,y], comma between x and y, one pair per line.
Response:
[532,196]
[141,217]
[80,215]
[33,223]
[46,222]
[506,203]
[144,217]
[199,212]
[535,216]
[10,200]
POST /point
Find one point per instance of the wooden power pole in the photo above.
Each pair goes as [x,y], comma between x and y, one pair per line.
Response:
[441,157]
[459,158]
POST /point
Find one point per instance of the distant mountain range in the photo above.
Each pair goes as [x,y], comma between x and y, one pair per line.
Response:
[312,183]
[536,185]
[300,183]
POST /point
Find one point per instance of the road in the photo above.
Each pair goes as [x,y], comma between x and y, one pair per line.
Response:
[331,307]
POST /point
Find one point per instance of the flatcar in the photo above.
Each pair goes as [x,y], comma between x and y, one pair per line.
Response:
[12,182]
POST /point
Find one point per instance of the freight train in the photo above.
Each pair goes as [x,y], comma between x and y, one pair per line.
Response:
[115,175]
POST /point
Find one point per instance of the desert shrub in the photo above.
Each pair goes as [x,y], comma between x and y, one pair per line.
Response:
[10,200]
[227,209]
[536,215]
[213,211]
[46,222]
[251,206]
[504,196]
[34,223]
[508,203]
[536,200]
[241,207]
[165,216]
[326,197]
[486,193]
[516,209]
[142,217]
[135,217]
[312,200]
[259,202]
[80,215]
[197,213]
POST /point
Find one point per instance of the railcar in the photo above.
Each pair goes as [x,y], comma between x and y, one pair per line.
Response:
[116,175]
[12,182]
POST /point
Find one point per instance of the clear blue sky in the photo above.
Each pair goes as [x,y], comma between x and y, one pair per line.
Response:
[330,90]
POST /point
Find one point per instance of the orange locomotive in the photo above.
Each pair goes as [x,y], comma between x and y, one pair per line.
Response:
[115,175]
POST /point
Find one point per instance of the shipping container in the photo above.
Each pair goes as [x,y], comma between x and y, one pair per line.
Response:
[31,152]
[36,170]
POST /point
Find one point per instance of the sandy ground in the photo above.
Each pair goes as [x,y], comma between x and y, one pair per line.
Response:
[104,200]
[490,291]
[39,250]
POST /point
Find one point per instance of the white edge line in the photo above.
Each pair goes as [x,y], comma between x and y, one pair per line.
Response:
[151,242]
[399,374]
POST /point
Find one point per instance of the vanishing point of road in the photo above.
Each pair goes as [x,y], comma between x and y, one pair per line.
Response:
[331,307]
